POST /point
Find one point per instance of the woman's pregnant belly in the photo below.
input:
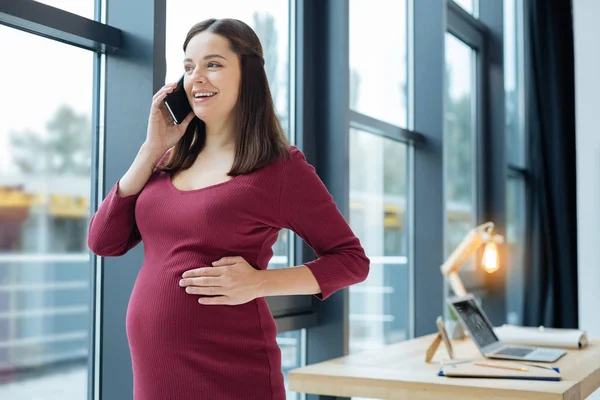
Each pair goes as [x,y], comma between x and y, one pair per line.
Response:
[164,321]
[180,346]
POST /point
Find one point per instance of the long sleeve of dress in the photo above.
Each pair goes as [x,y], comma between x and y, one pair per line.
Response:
[308,209]
[113,230]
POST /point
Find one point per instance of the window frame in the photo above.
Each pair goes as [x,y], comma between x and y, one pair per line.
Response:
[485,32]
[515,290]
[60,25]
[470,31]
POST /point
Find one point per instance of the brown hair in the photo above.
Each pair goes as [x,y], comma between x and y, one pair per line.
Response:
[260,139]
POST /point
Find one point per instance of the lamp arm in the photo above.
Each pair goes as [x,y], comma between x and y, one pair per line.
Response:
[456,284]
[462,253]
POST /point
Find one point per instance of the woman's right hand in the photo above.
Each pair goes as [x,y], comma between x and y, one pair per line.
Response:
[162,132]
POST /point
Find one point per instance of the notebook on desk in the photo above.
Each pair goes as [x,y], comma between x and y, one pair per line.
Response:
[499,370]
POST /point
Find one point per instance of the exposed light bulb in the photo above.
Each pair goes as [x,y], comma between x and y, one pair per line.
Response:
[489,260]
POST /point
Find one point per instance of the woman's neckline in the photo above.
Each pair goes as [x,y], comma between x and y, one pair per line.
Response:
[204,188]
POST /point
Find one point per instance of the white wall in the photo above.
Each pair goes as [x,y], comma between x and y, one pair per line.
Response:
[586,29]
[586,15]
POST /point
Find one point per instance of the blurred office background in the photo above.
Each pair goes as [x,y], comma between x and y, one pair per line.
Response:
[424,118]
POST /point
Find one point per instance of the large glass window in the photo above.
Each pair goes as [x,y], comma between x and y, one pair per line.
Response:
[469,6]
[515,154]
[379,311]
[293,355]
[379,306]
[85,8]
[459,142]
[515,134]
[45,152]
[378,60]
[515,237]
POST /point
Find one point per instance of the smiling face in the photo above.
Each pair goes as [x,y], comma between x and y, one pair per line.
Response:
[212,77]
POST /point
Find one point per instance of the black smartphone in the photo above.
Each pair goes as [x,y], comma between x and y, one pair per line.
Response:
[177,103]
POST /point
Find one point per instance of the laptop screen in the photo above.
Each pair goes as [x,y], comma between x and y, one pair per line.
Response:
[480,330]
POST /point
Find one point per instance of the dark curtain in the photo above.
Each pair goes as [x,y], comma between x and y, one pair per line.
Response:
[551,251]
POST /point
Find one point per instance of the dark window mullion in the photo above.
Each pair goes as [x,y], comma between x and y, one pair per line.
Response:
[514,171]
[380,128]
[63,26]
[463,17]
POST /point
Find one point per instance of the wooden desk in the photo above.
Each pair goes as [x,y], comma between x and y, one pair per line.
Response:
[399,371]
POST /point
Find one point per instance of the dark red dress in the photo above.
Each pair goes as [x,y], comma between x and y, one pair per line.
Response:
[183,350]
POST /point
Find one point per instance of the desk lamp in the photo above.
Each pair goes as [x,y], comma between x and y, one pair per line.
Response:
[478,236]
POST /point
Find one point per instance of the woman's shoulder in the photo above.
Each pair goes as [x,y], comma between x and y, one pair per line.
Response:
[294,155]
[290,161]
[295,152]
[284,159]
[281,166]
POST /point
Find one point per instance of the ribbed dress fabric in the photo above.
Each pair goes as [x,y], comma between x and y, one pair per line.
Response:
[183,350]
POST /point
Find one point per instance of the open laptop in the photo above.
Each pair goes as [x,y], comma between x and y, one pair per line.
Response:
[479,327]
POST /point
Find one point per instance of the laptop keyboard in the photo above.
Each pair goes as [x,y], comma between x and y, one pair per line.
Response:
[513,351]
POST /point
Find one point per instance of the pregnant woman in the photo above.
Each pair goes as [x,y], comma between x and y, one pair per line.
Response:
[208,198]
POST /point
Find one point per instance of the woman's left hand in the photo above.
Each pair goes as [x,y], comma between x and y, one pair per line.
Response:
[231,280]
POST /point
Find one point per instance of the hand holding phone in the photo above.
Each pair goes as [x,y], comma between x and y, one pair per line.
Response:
[163,133]
[177,103]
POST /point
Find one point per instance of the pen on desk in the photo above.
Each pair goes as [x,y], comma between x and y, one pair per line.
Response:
[501,366]
[538,366]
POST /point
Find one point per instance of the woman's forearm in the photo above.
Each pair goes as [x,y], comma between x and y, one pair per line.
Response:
[140,171]
[288,281]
